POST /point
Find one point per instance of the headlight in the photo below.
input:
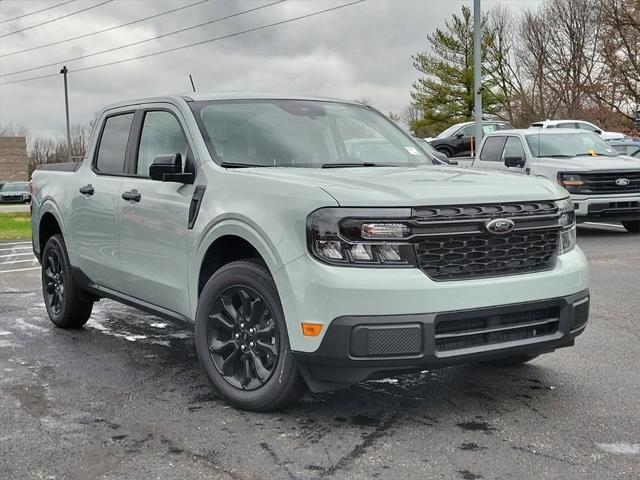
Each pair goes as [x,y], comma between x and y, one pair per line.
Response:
[567,223]
[362,237]
[570,181]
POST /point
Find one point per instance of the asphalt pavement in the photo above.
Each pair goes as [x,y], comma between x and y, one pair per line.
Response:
[124,398]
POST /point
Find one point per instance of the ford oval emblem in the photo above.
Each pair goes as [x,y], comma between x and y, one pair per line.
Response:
[499,226]
[623,182]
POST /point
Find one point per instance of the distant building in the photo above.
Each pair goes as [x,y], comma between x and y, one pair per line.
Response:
[13,159]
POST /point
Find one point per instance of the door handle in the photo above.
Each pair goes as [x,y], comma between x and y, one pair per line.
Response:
[87,190]
[132,195]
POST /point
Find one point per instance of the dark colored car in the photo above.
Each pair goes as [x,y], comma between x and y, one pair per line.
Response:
[15,192]
[627,146]
[455,141]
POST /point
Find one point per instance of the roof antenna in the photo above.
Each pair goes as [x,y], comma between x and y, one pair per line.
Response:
[192,85]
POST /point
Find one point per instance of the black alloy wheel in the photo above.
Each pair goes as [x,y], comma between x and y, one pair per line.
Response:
[54,282]
[67,305]
[243,338]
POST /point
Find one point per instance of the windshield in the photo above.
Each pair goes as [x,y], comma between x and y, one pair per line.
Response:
[15,187]
[449,131]
[297,133]
[570,144]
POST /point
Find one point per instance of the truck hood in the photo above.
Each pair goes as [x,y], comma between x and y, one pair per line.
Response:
[585,164]
[399,186]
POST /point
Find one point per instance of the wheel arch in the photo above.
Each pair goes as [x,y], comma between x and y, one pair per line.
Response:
[49,224]
[226,242]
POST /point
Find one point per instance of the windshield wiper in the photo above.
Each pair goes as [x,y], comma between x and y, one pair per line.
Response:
[591,155]
[240,165]
[355,164]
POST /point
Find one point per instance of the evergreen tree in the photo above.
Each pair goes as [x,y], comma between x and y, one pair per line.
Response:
[445,95]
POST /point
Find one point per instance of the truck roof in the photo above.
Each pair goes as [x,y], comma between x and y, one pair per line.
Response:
[230,95]
[535,131]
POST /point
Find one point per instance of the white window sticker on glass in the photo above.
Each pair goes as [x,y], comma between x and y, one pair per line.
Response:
[412,150]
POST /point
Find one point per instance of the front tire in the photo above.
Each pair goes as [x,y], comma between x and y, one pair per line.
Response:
[632,226]
[62,297]
[242,341]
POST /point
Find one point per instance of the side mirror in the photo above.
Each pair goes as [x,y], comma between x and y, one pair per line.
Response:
[168,168]
[459,135]
[514,161]
[451,161]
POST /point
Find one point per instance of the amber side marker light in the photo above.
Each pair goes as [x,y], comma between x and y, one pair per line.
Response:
[311,329]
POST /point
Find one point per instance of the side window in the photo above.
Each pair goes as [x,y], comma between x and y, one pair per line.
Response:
[513,148]
[161,135]
[568,125]
[468,131]
[492,149]
[113,144]
[489,127]
[586,126]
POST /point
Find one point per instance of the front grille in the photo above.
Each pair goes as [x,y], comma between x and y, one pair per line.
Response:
[452,242]
[456,332]
[605,182]
[12,198]
[485,211]
[485,255]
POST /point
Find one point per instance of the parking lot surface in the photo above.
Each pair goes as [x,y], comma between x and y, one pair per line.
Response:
[124,398]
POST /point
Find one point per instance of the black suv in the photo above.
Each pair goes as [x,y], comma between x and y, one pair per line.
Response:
[455,141]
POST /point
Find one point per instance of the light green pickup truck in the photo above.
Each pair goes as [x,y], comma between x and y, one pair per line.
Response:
[310,242]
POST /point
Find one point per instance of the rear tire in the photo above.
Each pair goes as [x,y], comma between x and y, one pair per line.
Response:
[447,151]
[510,361]
[632,226]
[242,341]
[65,304]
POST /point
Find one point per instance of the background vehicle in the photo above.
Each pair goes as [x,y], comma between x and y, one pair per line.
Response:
[455,141]
[603,184]
[578,124]
[263,222]
[627,146]
[429,148]
[15,192]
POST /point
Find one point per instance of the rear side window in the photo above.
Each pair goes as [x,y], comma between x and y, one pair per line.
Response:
[492,149]
[113,144]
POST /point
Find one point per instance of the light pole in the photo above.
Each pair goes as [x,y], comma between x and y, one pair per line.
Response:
[66,107]
[477,71]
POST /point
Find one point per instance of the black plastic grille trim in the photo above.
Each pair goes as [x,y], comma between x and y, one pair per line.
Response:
[605,182]
[485,211]
[460,333]
[484,254]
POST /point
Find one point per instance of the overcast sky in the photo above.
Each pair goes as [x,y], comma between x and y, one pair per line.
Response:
[359,51]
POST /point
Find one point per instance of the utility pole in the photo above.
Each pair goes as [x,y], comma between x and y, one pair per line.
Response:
[477,71]
[66,107]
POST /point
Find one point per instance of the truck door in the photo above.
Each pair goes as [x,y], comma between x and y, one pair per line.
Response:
[94,213]
[513,149]
[490,157]
[154,215]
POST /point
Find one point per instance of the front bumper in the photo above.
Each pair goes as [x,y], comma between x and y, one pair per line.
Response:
[14,199]
[356,348]
[606,207]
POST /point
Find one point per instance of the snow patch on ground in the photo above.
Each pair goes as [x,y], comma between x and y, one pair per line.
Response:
[620,448]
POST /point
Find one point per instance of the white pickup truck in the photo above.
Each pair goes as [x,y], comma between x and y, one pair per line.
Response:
[603,183]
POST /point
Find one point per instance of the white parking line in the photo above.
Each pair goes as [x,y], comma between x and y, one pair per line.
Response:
[18,261]
[605,224]
[19,270]
[14,243]
[17,255]
[14,249]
